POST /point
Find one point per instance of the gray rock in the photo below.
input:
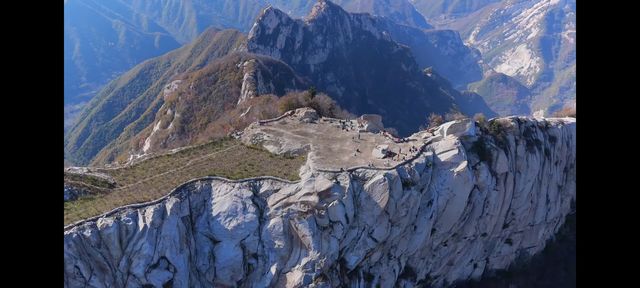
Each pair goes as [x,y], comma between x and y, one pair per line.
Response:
[306,115]
[458,128]
[436,215]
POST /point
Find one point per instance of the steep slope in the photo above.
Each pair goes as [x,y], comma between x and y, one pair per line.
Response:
[128,103]
[555,266]
[351,59]
[194,102]
[399,11]
[469,202]
[135,113]
[101,40]
[532,41]
[505,95]
[439,10]
[467,102]
[185,20]
[105,39]
[443,50]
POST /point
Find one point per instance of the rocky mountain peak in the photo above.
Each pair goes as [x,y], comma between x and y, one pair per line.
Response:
[354,59]
[324,8]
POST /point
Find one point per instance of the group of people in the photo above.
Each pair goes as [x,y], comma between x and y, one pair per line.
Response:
[413,149]
[345,125]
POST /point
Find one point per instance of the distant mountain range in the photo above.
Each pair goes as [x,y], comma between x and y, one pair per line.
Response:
[519,57]
[443,9]
[532,41]
[103,39]
[345,55]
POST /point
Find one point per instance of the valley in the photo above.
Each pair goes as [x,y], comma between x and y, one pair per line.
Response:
[317,143]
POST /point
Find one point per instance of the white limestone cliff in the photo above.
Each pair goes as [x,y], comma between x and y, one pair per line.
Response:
[469,203]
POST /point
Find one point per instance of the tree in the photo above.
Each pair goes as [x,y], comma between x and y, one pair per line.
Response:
[454,115]
[435,120]
[312,92]
[481,119]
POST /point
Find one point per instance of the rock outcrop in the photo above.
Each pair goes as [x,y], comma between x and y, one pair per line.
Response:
[465,205]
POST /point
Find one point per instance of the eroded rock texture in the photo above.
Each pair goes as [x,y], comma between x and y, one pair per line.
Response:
[450,214]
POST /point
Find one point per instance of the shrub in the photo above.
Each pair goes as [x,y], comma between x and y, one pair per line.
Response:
[496,128]
[454,115]
[480,148]
[566,112]
[481,120]
[323,104]
[288,102]
[435,120]
[392,131]
[312,92]
[407,183]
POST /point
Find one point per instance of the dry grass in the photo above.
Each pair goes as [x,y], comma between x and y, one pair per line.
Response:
[566,112]
[155,177]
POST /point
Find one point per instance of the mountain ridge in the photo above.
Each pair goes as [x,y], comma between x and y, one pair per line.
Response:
[124,112]
[400,226]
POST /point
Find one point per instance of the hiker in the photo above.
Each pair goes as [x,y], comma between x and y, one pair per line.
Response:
[358,150]
[358,135]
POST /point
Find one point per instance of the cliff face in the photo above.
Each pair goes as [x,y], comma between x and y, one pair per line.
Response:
[468,203]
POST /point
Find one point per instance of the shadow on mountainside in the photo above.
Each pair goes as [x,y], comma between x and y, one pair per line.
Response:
[554,267]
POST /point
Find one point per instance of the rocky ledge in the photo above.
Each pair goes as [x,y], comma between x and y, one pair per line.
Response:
[470,200]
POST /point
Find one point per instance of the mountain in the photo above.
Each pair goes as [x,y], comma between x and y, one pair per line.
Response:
[505,95]
[469,203]
[443,50]
[185,20]
[101,40]
[356,63]
[194,102]
[441,10]
[128,104]
[532,41]
[398,11]
[175,99]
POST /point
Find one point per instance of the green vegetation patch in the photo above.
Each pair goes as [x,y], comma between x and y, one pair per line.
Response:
[156,177]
